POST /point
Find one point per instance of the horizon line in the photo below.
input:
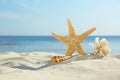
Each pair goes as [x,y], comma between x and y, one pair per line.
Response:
[51,35]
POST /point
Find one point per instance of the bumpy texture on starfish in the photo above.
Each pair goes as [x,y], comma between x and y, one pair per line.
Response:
[73,41]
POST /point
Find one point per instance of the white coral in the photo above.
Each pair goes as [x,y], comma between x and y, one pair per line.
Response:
[104,42]
[101,47]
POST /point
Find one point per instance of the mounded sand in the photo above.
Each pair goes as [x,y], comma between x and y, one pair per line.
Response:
[36,66]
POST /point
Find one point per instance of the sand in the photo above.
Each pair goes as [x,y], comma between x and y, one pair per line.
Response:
[36,66]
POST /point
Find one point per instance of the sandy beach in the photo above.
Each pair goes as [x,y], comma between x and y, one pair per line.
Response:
[36,65]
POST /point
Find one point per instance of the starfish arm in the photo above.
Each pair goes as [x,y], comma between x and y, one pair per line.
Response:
[70,51]
[71,29]
[80,49]
[61,38]
[84,35]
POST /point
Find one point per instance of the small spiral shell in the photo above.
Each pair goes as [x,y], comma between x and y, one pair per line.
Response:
[58,59]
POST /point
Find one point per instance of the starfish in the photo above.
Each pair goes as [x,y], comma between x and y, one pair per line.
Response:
[73,41]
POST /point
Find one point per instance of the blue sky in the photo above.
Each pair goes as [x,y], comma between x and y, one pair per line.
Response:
[41,17]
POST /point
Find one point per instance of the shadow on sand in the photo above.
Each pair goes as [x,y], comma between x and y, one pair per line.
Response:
[48,64]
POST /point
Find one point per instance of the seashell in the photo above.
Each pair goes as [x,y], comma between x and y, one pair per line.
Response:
[58,59]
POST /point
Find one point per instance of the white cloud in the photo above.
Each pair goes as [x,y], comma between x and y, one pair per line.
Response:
[28,6]
[11,15]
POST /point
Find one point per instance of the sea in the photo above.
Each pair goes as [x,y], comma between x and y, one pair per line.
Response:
[27,44]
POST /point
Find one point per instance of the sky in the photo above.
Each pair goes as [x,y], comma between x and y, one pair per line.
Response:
[41,17]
